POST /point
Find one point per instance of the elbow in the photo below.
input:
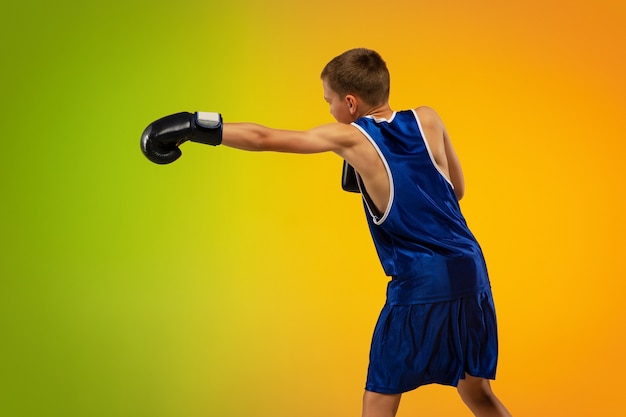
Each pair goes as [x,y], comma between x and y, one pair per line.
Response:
[459,192]
[263,139]
[258,139]
[458,183]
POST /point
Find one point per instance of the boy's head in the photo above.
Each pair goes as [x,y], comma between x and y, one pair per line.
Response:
[360,72]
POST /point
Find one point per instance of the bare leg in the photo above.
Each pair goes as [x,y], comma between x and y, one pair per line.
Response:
[380,405]
[476,393]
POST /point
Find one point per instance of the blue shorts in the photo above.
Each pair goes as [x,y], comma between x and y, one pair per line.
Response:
[421,344]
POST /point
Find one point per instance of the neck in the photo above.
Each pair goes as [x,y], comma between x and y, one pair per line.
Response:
[382,111]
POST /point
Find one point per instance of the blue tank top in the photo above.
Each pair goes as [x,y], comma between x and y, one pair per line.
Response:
[422,239]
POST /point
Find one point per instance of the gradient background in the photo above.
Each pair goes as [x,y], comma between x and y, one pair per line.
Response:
[239,284]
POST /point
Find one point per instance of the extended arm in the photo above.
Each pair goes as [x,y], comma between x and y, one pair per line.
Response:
[161,140]
[333,137]
[255,137]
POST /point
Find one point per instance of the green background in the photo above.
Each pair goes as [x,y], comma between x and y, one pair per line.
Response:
[241,284]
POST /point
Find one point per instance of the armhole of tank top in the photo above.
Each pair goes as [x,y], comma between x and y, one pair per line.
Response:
[377,220]
[430,153]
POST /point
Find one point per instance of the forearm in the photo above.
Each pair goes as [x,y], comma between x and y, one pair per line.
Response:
[245,136]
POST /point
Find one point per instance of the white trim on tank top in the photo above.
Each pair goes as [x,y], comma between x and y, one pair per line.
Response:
[375,218]
[430,153]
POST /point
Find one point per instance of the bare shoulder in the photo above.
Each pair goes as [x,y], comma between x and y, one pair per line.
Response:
[428,116]
[432,124]
[343,134]
[335,128]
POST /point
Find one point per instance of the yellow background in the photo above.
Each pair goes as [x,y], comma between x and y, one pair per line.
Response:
[239,284]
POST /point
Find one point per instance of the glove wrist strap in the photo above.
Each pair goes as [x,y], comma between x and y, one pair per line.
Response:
[208,128]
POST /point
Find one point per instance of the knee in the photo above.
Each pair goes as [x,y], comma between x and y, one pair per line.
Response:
[477,398]
[476,392]
[380,405]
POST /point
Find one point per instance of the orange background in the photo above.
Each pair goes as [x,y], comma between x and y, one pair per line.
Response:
[240,284]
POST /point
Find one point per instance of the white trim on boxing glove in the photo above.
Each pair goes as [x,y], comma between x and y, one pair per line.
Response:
[208,120]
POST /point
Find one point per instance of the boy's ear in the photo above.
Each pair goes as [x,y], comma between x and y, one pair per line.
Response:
[352,103]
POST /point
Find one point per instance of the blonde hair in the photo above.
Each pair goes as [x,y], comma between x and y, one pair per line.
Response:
[361,72]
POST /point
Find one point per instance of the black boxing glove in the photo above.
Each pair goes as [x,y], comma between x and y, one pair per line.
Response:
[349,181]
[160,141]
